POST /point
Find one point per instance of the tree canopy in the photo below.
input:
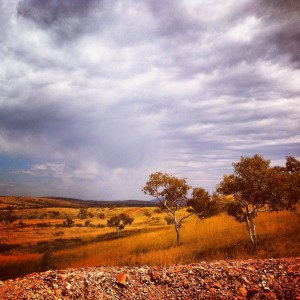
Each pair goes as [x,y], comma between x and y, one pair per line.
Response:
[257,187]
[119,222]
[172,194]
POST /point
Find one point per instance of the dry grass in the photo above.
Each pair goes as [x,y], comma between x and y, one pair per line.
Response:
[219,237]
[215,238]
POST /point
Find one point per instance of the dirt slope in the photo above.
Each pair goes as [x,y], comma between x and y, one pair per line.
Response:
[249,279]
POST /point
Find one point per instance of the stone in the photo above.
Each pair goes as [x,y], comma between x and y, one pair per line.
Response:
[122,279]
[242,292]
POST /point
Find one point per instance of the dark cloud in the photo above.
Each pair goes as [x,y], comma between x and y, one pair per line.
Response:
[281,26]
[106,92]
[68,19]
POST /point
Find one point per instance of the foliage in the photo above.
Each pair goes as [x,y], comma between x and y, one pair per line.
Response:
[83,213]
[7,216]
[55,213]
[119,222]
[47,261]
[171,192]
[203,204]
[68,222]
[258,187]
[147,213]
[169,220]
[101,216]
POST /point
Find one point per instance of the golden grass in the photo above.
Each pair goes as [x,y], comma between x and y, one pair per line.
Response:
[219,237]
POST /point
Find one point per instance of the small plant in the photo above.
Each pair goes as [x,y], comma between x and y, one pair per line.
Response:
[147,213]
[43,225]
[101,216]
[47,261]
[22,224]
[68,222]
[59,233]
[55,213]
[7,216]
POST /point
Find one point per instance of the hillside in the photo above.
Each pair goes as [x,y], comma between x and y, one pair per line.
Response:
[44,202]
[246,279]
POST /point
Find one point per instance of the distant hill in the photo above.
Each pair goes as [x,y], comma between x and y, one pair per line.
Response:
[34,202]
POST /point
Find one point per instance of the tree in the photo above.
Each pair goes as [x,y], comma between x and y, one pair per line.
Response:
[119,222]
[257,187]
[83,213]
[171,192]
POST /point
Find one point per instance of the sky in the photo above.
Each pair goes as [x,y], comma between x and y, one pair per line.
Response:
[95,95]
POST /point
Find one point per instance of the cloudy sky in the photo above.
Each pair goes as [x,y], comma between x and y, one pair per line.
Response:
[97,94]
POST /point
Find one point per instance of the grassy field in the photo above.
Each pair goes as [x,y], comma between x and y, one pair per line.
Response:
[149,240]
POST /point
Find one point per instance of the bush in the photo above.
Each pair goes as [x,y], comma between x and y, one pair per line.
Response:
[101,216]
[147,213]
[68,222]
[55,213]
[43,225]
[59,233]
[47,261]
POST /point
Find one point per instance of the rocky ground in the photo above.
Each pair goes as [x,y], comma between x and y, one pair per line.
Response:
[249,279]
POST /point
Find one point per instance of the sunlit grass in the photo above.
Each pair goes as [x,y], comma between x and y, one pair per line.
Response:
[219,237]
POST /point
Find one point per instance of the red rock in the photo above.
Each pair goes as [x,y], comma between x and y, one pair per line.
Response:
[122,279]
[154,276]
[242,292]
[253,289]
[217,285]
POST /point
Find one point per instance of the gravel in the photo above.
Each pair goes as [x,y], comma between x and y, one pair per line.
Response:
[242,279]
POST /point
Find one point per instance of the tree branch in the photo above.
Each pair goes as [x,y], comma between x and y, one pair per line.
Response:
[167,207]
[187,216]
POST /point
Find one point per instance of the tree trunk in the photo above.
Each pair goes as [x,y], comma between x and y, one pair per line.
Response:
[251,230]
[177,232]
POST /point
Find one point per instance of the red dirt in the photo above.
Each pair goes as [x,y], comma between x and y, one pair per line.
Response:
[249,279]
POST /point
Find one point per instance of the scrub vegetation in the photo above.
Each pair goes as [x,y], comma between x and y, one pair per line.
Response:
[62,233]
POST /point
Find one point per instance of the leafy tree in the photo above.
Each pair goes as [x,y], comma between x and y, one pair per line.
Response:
[172,195]
[257,187]
[119,222]
[203,204]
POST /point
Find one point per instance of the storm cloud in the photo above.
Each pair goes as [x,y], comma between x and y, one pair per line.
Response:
[95,95]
